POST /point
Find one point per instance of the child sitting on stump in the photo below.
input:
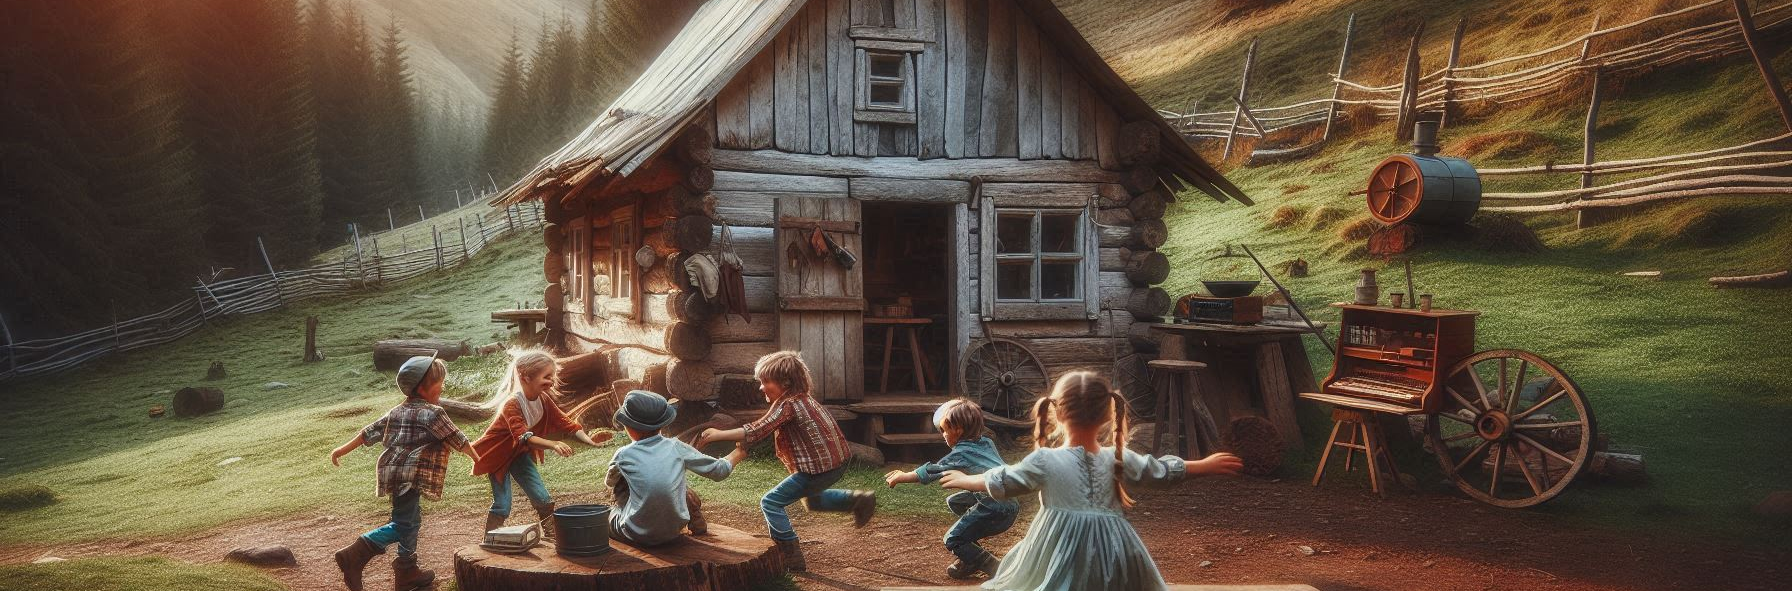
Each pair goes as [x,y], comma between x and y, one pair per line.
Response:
[979,516]
[653,502]
[418,435]
[809,444]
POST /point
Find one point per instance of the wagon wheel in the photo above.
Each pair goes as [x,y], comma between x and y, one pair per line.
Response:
[1394,190]
[1003,376]
[1507,441]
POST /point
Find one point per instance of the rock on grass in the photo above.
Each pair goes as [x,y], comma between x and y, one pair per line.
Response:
[26,496]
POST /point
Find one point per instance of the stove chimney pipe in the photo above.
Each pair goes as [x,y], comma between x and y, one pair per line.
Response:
[1424,138]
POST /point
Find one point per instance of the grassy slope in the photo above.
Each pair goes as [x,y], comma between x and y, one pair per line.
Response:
[118,473]
[1692,376]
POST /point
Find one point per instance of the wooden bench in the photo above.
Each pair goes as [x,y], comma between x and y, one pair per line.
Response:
[725,558]
[523,319]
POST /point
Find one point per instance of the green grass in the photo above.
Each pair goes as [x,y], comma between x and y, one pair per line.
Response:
[117,472]
[133,574]
[1691,376]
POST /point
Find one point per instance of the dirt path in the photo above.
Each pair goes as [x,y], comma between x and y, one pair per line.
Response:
[1250,531]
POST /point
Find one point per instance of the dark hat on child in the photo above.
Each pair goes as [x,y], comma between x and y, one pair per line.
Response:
[645,411]
[411,373]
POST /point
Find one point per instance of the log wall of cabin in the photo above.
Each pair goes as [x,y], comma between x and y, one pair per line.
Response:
[984,86]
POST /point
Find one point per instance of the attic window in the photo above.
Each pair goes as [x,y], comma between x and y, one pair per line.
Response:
[886,89]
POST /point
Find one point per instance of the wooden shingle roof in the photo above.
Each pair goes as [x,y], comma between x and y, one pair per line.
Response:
[724,35]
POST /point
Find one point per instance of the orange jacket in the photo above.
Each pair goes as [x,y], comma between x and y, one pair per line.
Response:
[502,441]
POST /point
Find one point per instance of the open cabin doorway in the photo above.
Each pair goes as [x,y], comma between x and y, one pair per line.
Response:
[908,297]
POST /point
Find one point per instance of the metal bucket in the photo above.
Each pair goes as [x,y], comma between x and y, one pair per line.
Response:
[582,530]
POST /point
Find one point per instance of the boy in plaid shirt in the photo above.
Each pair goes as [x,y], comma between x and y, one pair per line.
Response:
[810,445]
[417,435]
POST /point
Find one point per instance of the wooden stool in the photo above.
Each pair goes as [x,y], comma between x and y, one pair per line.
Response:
[1180,410]
[911,327]
[1362,424]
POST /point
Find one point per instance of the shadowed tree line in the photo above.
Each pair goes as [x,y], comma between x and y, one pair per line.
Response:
[148,143]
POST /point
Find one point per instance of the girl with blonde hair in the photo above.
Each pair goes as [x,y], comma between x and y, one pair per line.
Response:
[518,436]
[1080,539]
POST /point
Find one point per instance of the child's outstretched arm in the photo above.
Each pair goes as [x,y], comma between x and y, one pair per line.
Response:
[564,450]
[586,438]
[712,435]
[1219,464]
[962,481]
[464,447]
[345,448]
[895,477]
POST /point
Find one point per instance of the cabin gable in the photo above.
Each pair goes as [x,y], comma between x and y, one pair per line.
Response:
[919,78]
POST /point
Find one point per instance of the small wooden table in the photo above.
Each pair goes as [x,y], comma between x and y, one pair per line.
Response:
[1253,369]
[524,320]
[911,326]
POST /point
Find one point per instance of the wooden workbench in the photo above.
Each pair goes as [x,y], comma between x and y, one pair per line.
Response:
[1253,370]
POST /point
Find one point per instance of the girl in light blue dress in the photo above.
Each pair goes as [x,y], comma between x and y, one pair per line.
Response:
[1080,539]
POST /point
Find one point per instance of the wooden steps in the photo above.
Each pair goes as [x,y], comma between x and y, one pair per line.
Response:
[896,404]
[910,439]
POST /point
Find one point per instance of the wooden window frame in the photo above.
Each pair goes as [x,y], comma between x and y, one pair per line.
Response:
[1087,302]
[622,277]
[866,111]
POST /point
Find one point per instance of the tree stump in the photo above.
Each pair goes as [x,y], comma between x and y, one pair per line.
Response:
[725,558]
[1256,441]
[192,402]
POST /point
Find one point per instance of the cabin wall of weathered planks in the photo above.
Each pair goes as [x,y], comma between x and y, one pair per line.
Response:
[985,85]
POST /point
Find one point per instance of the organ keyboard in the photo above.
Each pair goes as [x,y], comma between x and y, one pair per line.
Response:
[1394,359]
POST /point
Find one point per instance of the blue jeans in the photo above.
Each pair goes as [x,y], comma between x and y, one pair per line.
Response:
[812,490]
[522,469]
[979,516]
[407,518]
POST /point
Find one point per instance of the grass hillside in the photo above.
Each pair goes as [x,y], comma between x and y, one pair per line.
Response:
[1690,376]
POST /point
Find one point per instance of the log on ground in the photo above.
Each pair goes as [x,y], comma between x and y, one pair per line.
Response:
[192,402]
[388,355]
[725,558]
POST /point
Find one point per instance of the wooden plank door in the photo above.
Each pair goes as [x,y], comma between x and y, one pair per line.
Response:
[820,303]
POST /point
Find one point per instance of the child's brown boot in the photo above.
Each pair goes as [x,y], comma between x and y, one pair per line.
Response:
[864,505]
[407,577]
[492,521]
[793,555]
[545,512]
[698,525]
[353,558]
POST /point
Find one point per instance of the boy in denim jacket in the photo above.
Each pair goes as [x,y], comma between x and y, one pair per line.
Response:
[980,516]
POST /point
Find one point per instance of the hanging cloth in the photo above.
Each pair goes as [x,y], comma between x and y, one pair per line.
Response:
[733,292]
[704,273]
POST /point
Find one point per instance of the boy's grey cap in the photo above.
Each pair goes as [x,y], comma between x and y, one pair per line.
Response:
[645,411]
[411,373]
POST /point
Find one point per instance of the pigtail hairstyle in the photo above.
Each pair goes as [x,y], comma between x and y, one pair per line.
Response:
[1042,421]
[1119,424]
[523,362]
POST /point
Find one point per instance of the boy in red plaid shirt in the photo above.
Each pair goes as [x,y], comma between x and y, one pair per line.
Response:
[809,444]
[417,435]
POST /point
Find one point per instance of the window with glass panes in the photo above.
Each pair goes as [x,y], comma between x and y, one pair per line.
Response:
[1039,255]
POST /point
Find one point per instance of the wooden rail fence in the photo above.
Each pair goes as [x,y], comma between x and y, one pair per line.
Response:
[364,267]
[1498,81]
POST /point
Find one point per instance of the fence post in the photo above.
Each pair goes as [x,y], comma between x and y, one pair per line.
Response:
[1409,89]
[457,199]
[509,219]
[391,222]
[12,355]
[438,239]
[494,182]
[360,271]
[1746,20]
[479,220]
[464,255]
[1582,217]
[1450,72]
[379,274]
[1331,111]
[217,304]
[200,299]
[279,296]
[420,218]
[1244,86]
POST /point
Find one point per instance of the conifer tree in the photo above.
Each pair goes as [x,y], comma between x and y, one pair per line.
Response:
[394,159]
[249,113]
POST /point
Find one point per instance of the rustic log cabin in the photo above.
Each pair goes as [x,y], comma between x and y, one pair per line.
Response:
[925,197]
